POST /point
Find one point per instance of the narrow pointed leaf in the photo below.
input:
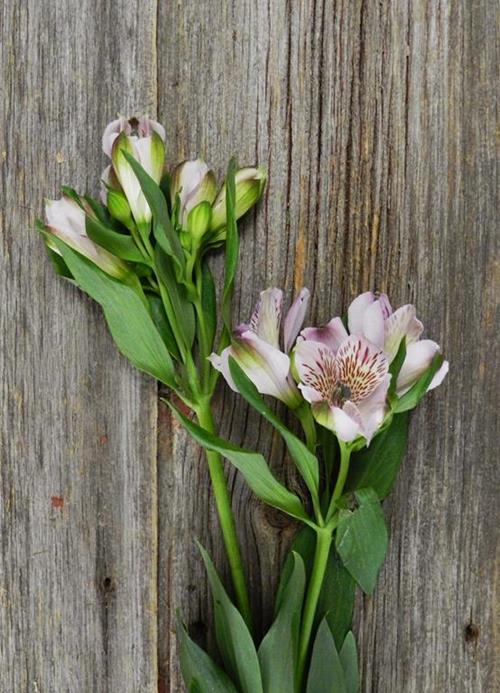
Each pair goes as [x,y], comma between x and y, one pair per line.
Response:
[119,244]
[253,467]
[162,324]
[209,304]
[395,368]
[305,461]
[326,674]
[349,659]
[361,539]
[233,637]
[278,650]
[180,311]
[199,671]
[129,321]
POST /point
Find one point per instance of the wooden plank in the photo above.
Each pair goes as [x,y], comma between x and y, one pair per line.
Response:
[78,449]
[376,122]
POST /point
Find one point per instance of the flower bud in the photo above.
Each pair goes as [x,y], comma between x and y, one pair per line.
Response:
[66,220]
[119,208]
[198,221]
[144,140]
[193,182]
[250,184]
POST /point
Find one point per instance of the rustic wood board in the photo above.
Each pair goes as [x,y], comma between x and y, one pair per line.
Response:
[376,122]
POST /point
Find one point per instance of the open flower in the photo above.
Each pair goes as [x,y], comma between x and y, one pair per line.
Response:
[66,220]
[144,140]
[194,182]
[373,318]
[256,346]
[347,388]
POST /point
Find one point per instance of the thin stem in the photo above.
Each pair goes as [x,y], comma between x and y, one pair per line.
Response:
[305,417]
[345,457]
[226,517]
[323,543]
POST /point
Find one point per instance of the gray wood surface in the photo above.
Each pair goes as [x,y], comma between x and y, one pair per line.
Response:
[376,121]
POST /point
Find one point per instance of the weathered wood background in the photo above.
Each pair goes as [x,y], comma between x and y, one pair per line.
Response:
[376,121]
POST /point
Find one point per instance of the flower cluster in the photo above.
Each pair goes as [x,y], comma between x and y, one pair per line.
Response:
[341,370]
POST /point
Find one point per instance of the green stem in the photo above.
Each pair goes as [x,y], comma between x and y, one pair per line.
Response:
[303,413]
[226,517]
[345,457]
[323,543]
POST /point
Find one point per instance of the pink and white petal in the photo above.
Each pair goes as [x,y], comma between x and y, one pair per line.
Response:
[374,324]
[315,366]
[295,318]
[402,323]
[373,409]
[266,318]
[110,134]
[356,312]
[332,334]
[360,367]
[221,363]
[310,394]
[267,367]
[386,305]
[346,422]
[418,359]
[439,376]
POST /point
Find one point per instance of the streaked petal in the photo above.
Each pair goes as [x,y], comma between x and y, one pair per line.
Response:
[356,312]
[315,366]
[385,304]
[402,323]
[332,334]
[266,318]
[373,409]
[418,359]
[295,318]
[360,367]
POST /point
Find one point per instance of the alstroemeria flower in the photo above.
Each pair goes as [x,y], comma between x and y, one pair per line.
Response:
[194,182]
[373,318]
[66,220]
[256,347]
[144,139]
[347,388]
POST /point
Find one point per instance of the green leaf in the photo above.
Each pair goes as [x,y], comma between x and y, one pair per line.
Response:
[128,319]
[349,660]
[326,674]
[377,466]
[395,368]
[162,228]
[305,461]
[199,671]
[278,650]
[253,467]
[361,539]
[180,311]
[232,245]
[119,244]
[99,210]
[411,398]
[209,303]
[233,637]
[336,600]
[162,324]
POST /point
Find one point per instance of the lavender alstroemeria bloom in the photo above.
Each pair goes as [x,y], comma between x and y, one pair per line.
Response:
[66,220]
[144,139]
[373,318]
[346,387]
[257,347]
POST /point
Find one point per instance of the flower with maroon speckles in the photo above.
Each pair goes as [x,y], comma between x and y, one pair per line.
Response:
[256,347]
[347,388]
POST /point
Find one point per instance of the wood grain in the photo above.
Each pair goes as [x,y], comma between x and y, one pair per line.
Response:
[78,447]
[376,121]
